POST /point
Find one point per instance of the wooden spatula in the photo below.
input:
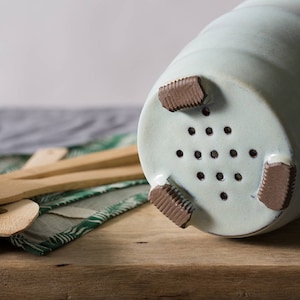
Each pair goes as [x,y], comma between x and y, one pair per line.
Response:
[45,156]
[16,189]
[17,216]
[111,166]
[116,157]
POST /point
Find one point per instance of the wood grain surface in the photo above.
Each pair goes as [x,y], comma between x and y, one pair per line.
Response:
[142,255]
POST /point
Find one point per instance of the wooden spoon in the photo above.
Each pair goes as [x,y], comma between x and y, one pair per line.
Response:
[17,216]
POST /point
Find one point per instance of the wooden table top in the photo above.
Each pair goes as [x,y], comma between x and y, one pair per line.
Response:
[142,255]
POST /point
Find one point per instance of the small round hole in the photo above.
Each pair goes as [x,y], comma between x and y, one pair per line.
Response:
[200,175]
[209,131]
[198,154]
[224,196]
[227,130]
[214,154]
[179,153]
[191,130]
[206,111]
[253,153]
[233,153]
[220,176]
[238,177]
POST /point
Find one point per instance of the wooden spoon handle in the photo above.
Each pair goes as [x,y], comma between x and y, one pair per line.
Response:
[17,189]
[45,156]
[104,159]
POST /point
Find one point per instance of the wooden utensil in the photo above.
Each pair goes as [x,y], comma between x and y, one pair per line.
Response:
[45,156]
[15,217]
[103,168]
[116,157]
[16,189]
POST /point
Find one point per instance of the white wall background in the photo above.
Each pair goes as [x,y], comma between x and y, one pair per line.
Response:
[93,53]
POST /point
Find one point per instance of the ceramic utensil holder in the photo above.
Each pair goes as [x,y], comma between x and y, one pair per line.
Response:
[219,133]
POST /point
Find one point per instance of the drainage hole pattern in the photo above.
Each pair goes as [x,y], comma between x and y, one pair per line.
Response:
[220,176]
[214,154]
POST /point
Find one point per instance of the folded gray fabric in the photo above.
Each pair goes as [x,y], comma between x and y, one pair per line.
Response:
[25,130]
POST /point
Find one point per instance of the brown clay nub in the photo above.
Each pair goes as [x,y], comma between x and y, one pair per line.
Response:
[172,204]
[182,93]
[277,185]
